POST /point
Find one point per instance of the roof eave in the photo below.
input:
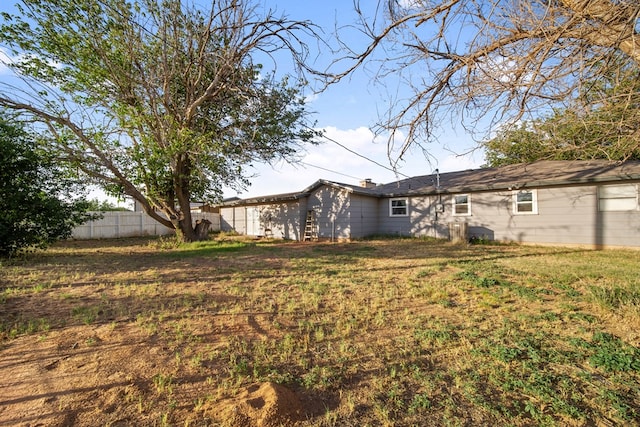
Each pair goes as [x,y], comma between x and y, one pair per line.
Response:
[512,186]
[276,198]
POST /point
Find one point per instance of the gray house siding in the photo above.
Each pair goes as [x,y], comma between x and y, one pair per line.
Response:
[618,229]
[332,209]
[364,216]
[562,217]
[282,220]
[398,226]
[593,203]
[577,219]
[565,215]
[420,220]
[303,206]
[424,221]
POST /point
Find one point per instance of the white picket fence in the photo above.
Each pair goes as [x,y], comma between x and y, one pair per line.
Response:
[131,224]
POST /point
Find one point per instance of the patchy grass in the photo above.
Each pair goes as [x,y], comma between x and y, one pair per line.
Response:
[378,332]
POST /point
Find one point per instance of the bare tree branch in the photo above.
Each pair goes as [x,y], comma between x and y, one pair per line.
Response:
[492,61]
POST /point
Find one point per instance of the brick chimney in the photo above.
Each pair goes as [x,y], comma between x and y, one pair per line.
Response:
[367,183]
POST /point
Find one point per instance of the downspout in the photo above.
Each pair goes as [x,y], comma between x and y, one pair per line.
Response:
[333,230]
[438,204]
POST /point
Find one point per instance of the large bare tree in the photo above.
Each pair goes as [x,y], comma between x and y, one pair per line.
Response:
[157,99]
[496,62]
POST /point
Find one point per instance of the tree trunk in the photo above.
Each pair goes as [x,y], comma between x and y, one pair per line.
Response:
[184,230]
[202,229]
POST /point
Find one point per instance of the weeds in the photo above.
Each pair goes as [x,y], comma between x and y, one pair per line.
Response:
[616,296]
[21,326]
[609,353]
[163,383]
[391,331]
[86,314]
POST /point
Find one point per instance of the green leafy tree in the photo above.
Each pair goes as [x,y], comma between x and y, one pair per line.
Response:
[602,123]
[38,205]
[158,100]
[96,205]
[519,145]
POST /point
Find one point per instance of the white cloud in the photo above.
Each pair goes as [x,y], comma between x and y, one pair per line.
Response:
[506,71]
[409,4]
[5,60]
[332,161]
[454,162]
[308,99]
[335,150]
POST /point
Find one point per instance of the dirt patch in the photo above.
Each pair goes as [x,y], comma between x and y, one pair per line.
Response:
[77,376]
[118,376]
[376,333]
[264,405]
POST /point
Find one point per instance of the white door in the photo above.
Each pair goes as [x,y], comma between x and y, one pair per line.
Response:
[253,221]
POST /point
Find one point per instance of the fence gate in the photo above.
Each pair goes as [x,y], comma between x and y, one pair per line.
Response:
[253,222]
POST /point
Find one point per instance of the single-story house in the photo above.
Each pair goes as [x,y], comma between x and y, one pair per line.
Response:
[594,203]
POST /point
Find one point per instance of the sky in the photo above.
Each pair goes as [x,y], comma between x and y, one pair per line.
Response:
[345,112]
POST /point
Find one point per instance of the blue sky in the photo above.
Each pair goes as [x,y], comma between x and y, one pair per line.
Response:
[345,111]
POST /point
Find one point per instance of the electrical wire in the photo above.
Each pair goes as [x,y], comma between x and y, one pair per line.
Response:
[396,172]
[365,157]
[329,170]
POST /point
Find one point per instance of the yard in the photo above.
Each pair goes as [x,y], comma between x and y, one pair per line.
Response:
[265,333]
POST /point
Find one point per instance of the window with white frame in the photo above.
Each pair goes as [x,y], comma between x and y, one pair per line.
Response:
[399,207]
[525,202]
[620,197]
[462,204]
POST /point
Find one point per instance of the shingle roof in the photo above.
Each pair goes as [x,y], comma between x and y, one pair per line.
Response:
[264,199]
[297,195]
[349,187]
[524,175]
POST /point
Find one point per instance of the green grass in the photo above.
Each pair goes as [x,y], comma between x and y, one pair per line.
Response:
[390,331]
[207,248]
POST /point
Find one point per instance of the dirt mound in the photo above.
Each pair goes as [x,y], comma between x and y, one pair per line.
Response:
[264,405]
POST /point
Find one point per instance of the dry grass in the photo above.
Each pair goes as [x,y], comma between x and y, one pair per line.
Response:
[379,332]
